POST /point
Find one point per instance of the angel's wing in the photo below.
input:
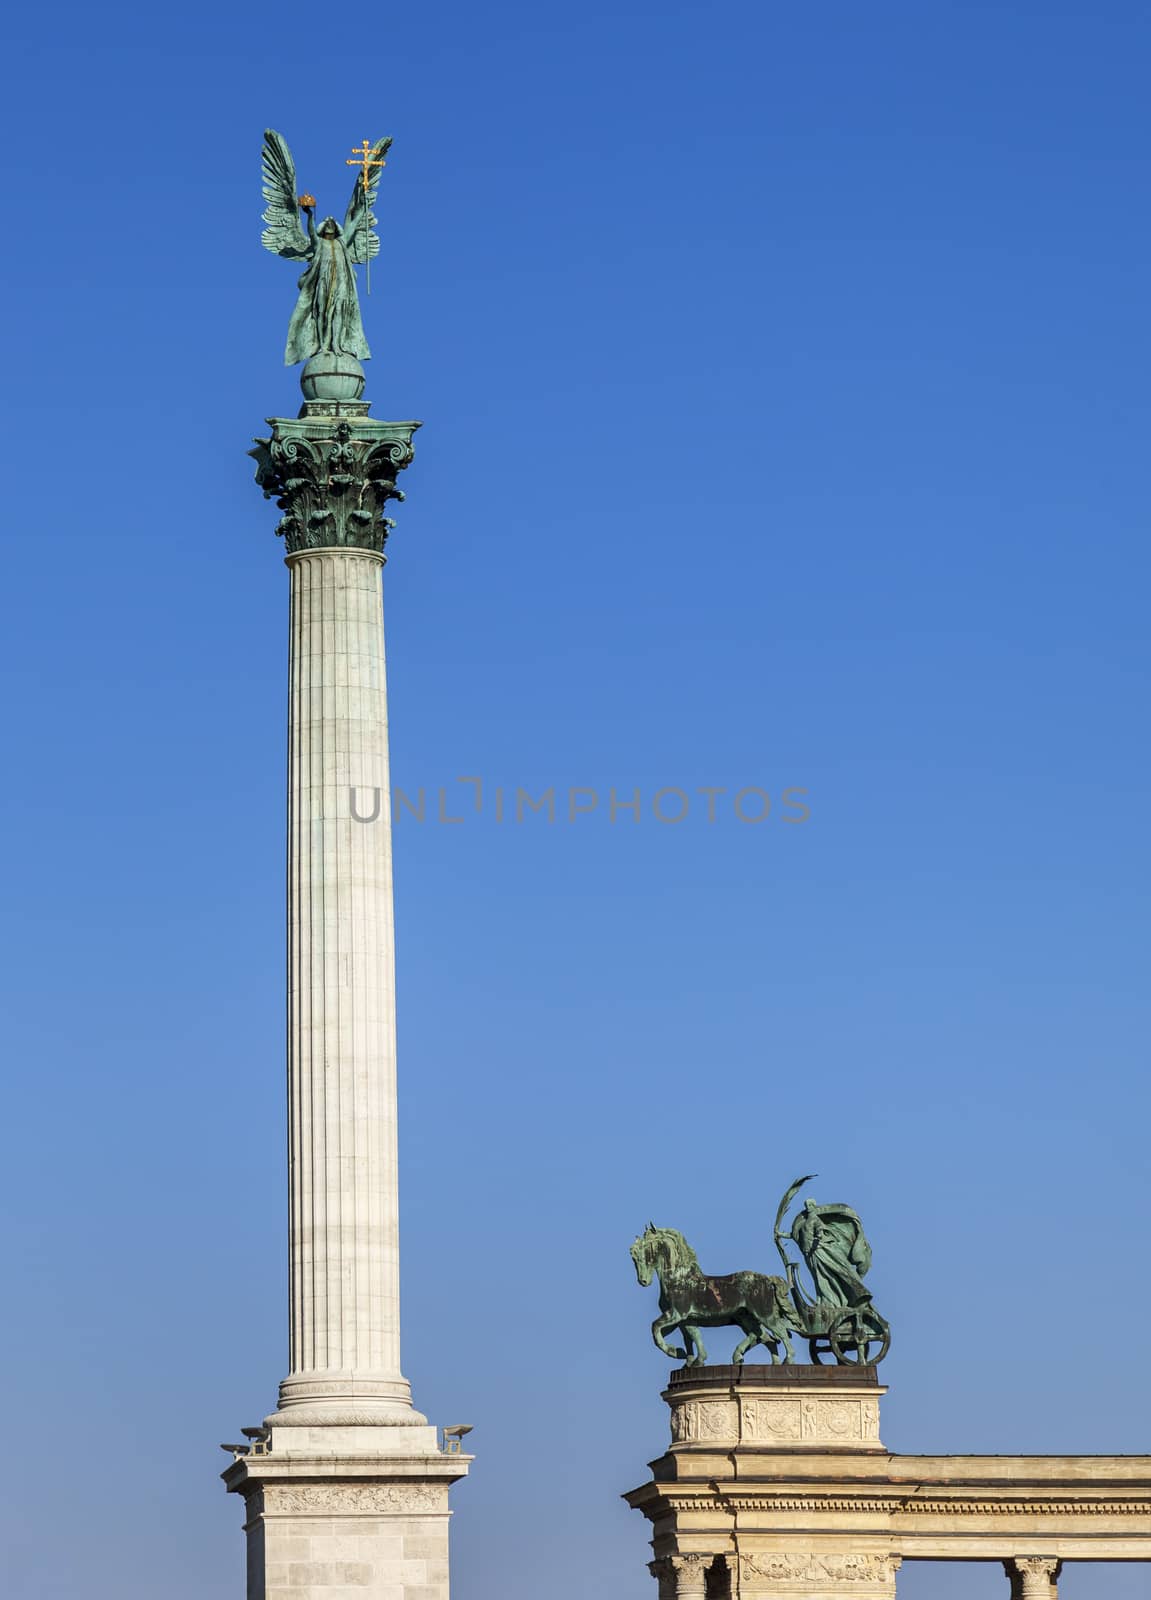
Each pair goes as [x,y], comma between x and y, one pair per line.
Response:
[360,242]
[283,235]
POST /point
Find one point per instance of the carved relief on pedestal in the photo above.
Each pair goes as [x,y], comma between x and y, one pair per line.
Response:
[337,1499]
[788,1572]
[772,1420]
[704,1420]
[832,1419]
[816,1419]
[777,1419]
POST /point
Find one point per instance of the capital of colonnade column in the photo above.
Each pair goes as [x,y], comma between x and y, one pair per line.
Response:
[1033,1577]
[681,1577]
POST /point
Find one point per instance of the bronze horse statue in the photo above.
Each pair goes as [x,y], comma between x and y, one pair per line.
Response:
[689,1300]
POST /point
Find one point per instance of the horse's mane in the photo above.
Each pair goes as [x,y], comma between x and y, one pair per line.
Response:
[679,1254]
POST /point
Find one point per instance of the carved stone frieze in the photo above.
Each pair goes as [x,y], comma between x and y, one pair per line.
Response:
[787,1570]
[332,478]
[705,1420]
[782,1421]
[772,1420]
[815,1420]
[832,1419]
[328,1499]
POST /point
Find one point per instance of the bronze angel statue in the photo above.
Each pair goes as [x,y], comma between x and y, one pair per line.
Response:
[327,314]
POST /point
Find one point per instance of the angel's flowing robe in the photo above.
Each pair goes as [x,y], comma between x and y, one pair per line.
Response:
[327,314]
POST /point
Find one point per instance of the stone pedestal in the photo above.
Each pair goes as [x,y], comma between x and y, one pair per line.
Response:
[762,1408]
[340,1520]
[776,1486]
[714,1537]
[345,1486]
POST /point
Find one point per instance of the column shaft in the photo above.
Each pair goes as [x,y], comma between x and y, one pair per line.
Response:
[343,1224]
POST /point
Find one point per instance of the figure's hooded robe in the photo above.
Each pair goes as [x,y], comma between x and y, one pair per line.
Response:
[327,314]
[832,1242]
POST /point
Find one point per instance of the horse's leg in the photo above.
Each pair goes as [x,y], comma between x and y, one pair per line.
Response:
[659,1327]
[787,1345]
[752,1332]
[698,1357]
[767,1334]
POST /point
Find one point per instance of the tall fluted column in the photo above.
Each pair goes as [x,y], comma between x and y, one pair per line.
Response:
[332,470]
[344,1203]
[345,1486]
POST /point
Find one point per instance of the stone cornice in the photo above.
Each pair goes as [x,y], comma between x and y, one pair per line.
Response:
[291,1468]
[1137,1505]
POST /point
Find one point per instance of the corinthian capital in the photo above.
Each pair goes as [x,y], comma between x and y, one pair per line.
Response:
[332,477]
[690,1575]
[1033,1577]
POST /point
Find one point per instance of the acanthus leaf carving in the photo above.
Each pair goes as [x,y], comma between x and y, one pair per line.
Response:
[333,478]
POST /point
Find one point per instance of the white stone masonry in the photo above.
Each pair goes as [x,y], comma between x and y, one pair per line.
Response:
[343,1224]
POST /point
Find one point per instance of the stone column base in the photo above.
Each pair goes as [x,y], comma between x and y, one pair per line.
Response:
[335,1527]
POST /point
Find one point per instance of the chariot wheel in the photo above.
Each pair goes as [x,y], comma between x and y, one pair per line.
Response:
[857,1341]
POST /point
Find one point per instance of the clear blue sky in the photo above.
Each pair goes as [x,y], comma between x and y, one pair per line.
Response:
[784,372]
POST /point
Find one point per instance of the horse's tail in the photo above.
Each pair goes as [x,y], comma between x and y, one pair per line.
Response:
[783,1301]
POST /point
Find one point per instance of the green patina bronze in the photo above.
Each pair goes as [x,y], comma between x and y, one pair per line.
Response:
[690,1300]
[838,1319]
[332,475]
[327,314]
[332,469]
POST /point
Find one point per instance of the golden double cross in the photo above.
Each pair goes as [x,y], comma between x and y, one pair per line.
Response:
[362,157]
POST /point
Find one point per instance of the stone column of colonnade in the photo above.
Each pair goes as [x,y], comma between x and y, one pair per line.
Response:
[344,1331]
